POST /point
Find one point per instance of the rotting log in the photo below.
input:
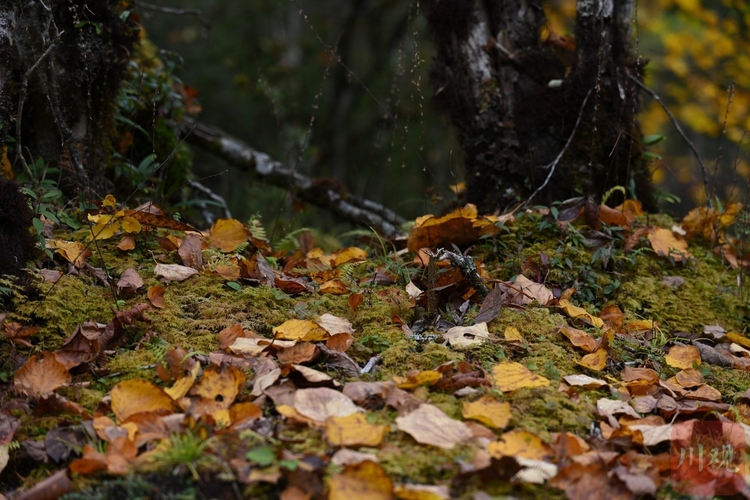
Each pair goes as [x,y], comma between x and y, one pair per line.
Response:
[325,193]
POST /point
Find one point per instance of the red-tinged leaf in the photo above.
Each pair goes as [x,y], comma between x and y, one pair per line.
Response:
[41,374]
[126,243]
[156,296]
[190,251]
[355,300]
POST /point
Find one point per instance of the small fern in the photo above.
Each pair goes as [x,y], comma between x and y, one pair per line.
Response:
[256,227]
[158,348]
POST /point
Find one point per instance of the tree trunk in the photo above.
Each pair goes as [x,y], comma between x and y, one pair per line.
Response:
[61,62]
[548,119]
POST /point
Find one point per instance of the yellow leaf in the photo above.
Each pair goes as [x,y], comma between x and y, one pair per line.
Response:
[220,384]
[511,376]
[105,226]
[130,225]
[667,244]
[579,313]
[422,492]
[363,481]
[353,430]
[683,356]
[348,255]
[299,329]
[73,251]
[488,411]
[459,227]
[519,443]
[738,339]
[109,201]
[596,361]
[414,380]
[228,234]
[512,334]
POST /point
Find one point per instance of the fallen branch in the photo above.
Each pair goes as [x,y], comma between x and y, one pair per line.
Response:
[320,192]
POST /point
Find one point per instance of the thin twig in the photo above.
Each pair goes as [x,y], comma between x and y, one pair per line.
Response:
[655,97]
[553,165]
[22,100]
[178,12]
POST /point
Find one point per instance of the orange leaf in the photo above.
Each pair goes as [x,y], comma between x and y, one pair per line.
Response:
[334,287]
[355,300]
[579,313]
[41,374]
[156,296]
[220,384]
[228,234]
[137,395]
[351,254]
[579,338]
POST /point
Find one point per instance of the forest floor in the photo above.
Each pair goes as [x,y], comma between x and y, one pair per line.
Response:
[590,353]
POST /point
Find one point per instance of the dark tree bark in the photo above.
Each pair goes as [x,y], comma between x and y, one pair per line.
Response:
[516,100]
[61,62]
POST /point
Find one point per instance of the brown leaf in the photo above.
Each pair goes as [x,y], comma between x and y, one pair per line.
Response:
[156,296]
[190,251]
[460,227]
[158,220]
[292,285]
[579,338]
[340,342]
[17,333]
[54,486]
[231,333]
[589,482]
[256,270]
[491,305]
[126,243]
[334,287]
[355,300]
[612,315]
[129,282]
[300,352]
[334,324]
[41,374]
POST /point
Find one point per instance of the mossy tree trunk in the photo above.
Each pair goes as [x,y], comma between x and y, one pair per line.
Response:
[515,96]
[61,62]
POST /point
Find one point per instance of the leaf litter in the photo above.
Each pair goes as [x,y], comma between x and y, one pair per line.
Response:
[313,375]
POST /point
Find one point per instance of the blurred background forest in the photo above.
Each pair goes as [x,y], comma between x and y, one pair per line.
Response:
[267,72]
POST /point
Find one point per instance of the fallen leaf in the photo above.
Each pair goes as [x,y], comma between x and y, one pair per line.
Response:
[334,324]
[334,287]
[579,338]
[138,395]
[190,251]
[220,383]
[350,254]
[521,443]
[584,381]
[460,227]
[156,296]
[256,345]
[126,243]
[353,430]
[174,272]
[41,374]
[511,376]
[512,334]
[301,352]
[596,361]
[299,329]
[18,333]
[533,291]
[422,492]
[129,282]
[683,356]
[579,313]
[612,315]
[706,221]
[362,481]
[464,336]
[319,403]
[228,234]
[488,411]
[355,300]
[340,342]
[416,378]
[73,251]
[429,425]
[667,244]
[491,305]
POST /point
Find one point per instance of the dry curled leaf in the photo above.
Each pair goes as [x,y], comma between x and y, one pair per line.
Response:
[41,374]
[174,272]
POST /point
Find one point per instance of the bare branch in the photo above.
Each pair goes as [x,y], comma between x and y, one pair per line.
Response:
[676,124]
